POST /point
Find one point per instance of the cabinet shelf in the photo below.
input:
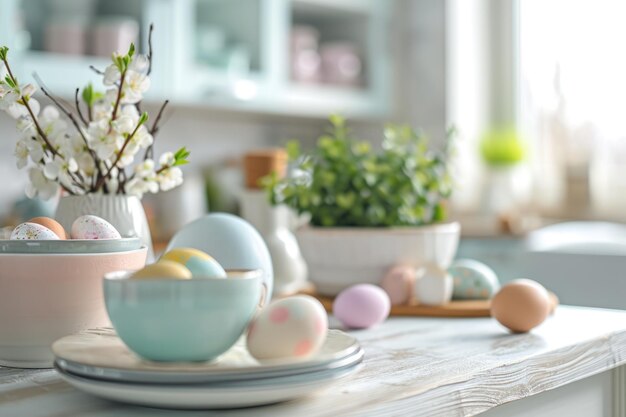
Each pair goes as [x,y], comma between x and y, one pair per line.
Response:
[187,79]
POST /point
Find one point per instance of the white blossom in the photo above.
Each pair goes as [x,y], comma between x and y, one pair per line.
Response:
[53,126]
[17,109]
[145,169]
[61,169]
[28,90]
[167,159]
[40,185]
[101,140]
[170,178]
[143,138]
[8,97]
[21,153]
[102,110]
[35,149]
[110,97]
[135,84]
[140,63]
[111,75]
[86,164]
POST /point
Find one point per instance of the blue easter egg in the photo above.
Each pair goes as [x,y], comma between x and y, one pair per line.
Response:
[232,241]
[473,280]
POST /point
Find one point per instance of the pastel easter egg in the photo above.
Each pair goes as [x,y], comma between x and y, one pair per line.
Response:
[231,240]
[473,280]
[51,224]
[362,306]
[32,231]
[521,305]
[93,227]
[163,269]
[199,263]
[290,328]
[398,283]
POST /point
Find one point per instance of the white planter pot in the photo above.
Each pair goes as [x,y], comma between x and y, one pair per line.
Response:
[125,213]
[340,257]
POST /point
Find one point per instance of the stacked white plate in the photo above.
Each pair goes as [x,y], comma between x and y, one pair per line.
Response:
[97,362]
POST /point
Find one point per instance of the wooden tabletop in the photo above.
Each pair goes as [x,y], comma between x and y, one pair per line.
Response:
[413,367]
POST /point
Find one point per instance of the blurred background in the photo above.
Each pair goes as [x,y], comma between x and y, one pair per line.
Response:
[534,90]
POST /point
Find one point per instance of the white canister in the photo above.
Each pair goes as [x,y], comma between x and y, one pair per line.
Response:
[434,286]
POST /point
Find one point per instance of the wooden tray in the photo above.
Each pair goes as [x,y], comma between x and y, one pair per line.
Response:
[456,308]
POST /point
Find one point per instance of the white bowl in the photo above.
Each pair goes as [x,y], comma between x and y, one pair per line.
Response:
[340,257]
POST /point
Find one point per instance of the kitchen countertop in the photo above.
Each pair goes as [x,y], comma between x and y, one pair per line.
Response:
[413,366]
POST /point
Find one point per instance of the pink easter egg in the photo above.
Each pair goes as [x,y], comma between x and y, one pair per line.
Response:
[399,282]
[362,306]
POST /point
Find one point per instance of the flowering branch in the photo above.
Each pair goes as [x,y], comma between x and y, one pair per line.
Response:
[70,116]
[94,155]
[76,102]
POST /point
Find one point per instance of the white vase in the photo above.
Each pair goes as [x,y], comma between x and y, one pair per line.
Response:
[434,287]
[125,213]
[272,222]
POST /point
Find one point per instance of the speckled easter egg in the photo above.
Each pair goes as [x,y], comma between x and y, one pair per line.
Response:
[199,263]
[32,231]
[51,224]
[290,328]
[93,227]
[361,306]
[163,270]
[473,280]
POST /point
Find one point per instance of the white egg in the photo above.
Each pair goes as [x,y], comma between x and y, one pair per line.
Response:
[293,328]
[93,227]
[33,231]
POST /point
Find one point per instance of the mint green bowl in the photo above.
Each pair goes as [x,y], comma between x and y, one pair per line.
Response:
[182,320]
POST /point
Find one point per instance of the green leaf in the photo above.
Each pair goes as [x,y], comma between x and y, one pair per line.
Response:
[9,81]
[143,119]
[180,157]
[293,150]
[131,49]
[3,53]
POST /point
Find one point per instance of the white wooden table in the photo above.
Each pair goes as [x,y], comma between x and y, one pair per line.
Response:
[569,366]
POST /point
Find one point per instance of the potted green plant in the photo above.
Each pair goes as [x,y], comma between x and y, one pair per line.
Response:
[506,181]
[368,210]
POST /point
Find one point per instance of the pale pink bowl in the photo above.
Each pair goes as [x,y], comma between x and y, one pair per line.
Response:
[44,297]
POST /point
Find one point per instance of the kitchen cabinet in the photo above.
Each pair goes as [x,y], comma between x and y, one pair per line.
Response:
[223,54]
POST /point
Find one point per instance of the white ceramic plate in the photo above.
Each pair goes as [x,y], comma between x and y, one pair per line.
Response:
[121,375]
[70,245]
[209,396]
[99,353]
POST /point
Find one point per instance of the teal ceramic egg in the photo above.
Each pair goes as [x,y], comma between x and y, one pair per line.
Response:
[473,280]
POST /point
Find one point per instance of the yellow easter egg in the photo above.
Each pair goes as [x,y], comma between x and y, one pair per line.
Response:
[163,270]
[199,263]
